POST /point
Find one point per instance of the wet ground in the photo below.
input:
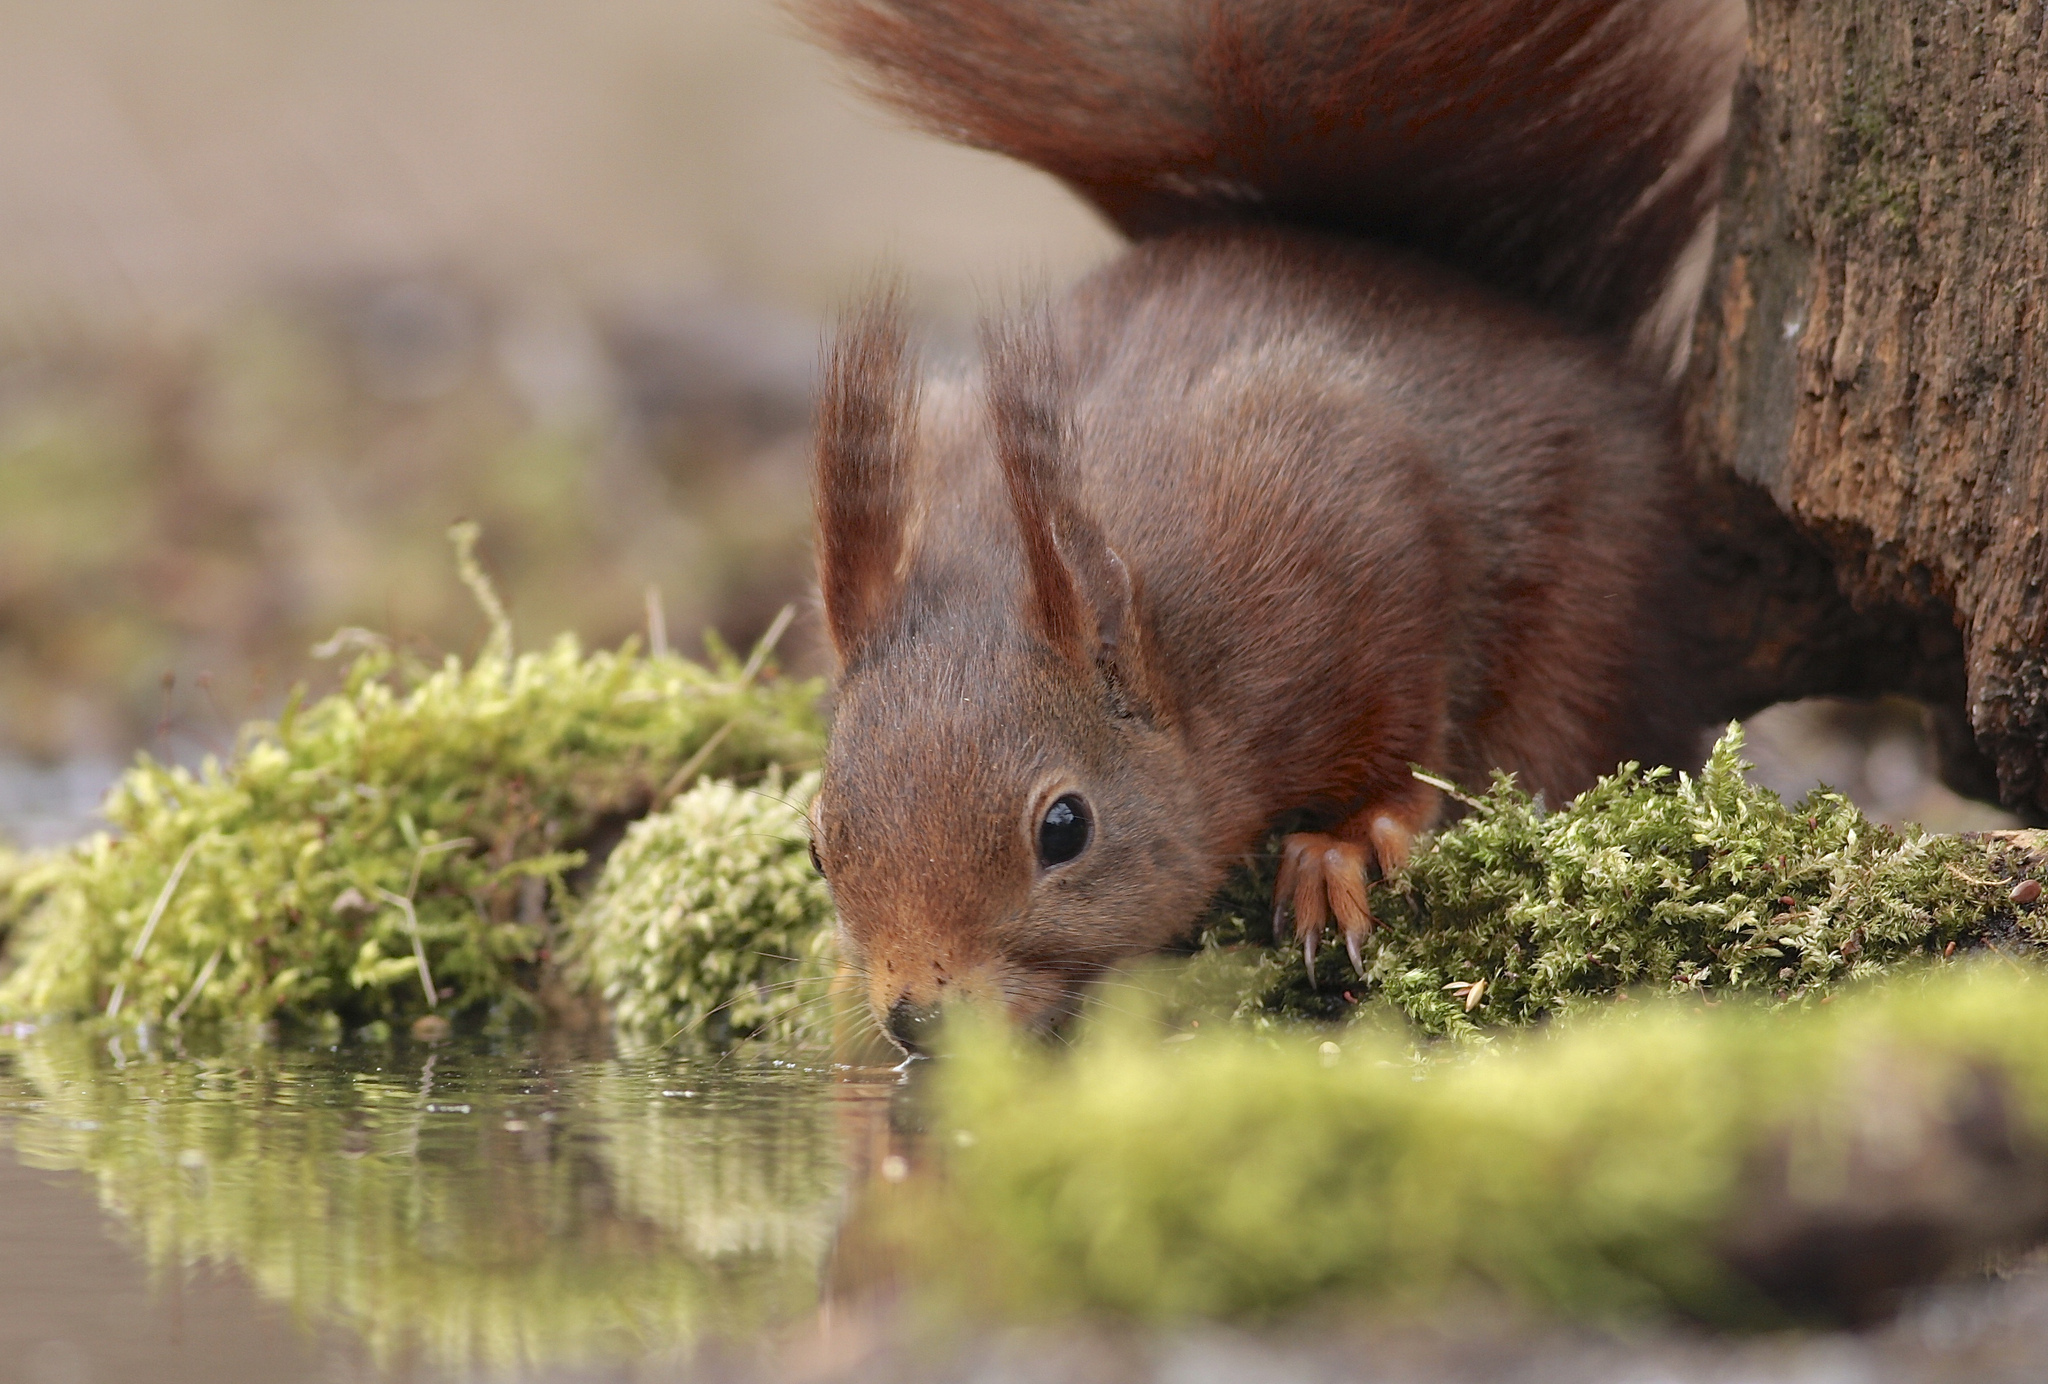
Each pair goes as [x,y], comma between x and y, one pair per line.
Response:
[540,1209]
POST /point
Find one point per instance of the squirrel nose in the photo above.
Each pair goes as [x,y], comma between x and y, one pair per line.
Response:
[915,1027]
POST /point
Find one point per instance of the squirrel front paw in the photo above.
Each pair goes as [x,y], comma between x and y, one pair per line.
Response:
[1321,876]
[1324,876]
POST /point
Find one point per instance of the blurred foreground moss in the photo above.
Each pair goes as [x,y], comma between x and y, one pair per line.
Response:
[1733,1166]
[1651,881]
[398,848]
[493,1210]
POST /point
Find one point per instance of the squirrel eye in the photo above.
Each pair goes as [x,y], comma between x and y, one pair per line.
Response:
[1063,833]
[816,864]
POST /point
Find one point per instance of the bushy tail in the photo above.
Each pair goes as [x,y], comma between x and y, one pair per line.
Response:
[1567,151]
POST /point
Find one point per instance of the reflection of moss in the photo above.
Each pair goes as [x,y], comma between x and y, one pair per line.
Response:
[419,823]
[490,1210]
[1651,881]
[1613,1166]
[709,918]
[741,1173]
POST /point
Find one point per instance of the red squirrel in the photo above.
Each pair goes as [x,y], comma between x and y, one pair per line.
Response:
[1358,458]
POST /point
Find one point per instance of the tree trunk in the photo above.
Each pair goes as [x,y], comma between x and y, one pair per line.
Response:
[1867,397]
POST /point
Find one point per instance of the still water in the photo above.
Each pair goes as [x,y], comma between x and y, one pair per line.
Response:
[501,1208]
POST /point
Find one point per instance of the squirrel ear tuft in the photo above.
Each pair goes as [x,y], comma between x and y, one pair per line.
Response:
[867,412]
[1081,594]
[1028,421]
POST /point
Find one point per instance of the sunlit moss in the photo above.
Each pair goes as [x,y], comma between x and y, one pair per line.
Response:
[1604,1167]
[491,1211]
[709,919]
[1651,881]
[414,828]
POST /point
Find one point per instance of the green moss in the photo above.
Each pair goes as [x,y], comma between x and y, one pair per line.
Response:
[1872,153]
[1651,881]
[709,919]
[1598,1168]
[419,823]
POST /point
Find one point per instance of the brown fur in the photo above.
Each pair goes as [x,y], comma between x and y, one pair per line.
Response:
[1255,518]
[1566,151]
[871,398]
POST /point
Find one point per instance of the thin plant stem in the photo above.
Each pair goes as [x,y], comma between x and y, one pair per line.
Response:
[156,913]
[419,950]
[205,974]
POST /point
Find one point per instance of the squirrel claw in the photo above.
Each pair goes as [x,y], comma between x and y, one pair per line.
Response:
[1320,876]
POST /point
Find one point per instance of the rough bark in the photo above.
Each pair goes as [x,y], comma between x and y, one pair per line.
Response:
[1867,398]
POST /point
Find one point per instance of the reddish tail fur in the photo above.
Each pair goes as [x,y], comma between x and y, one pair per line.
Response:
[1564,151]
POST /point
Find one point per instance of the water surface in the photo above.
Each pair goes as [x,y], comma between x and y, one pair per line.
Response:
[502,1207]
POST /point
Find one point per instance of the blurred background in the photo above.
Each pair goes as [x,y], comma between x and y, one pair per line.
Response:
[287,289]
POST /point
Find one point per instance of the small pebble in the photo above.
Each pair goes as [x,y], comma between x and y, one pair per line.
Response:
[2026,891]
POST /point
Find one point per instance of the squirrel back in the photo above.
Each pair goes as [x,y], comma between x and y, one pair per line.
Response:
[1355,461]
[1564,152]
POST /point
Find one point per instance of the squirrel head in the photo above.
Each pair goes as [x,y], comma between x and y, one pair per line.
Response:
[1006,807]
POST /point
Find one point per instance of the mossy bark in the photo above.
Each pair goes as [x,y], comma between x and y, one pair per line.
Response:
[1867,398]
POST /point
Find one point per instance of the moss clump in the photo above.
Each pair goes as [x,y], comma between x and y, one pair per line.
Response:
[414,828]
[1650,881]
[1642,1161]
[709,919]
